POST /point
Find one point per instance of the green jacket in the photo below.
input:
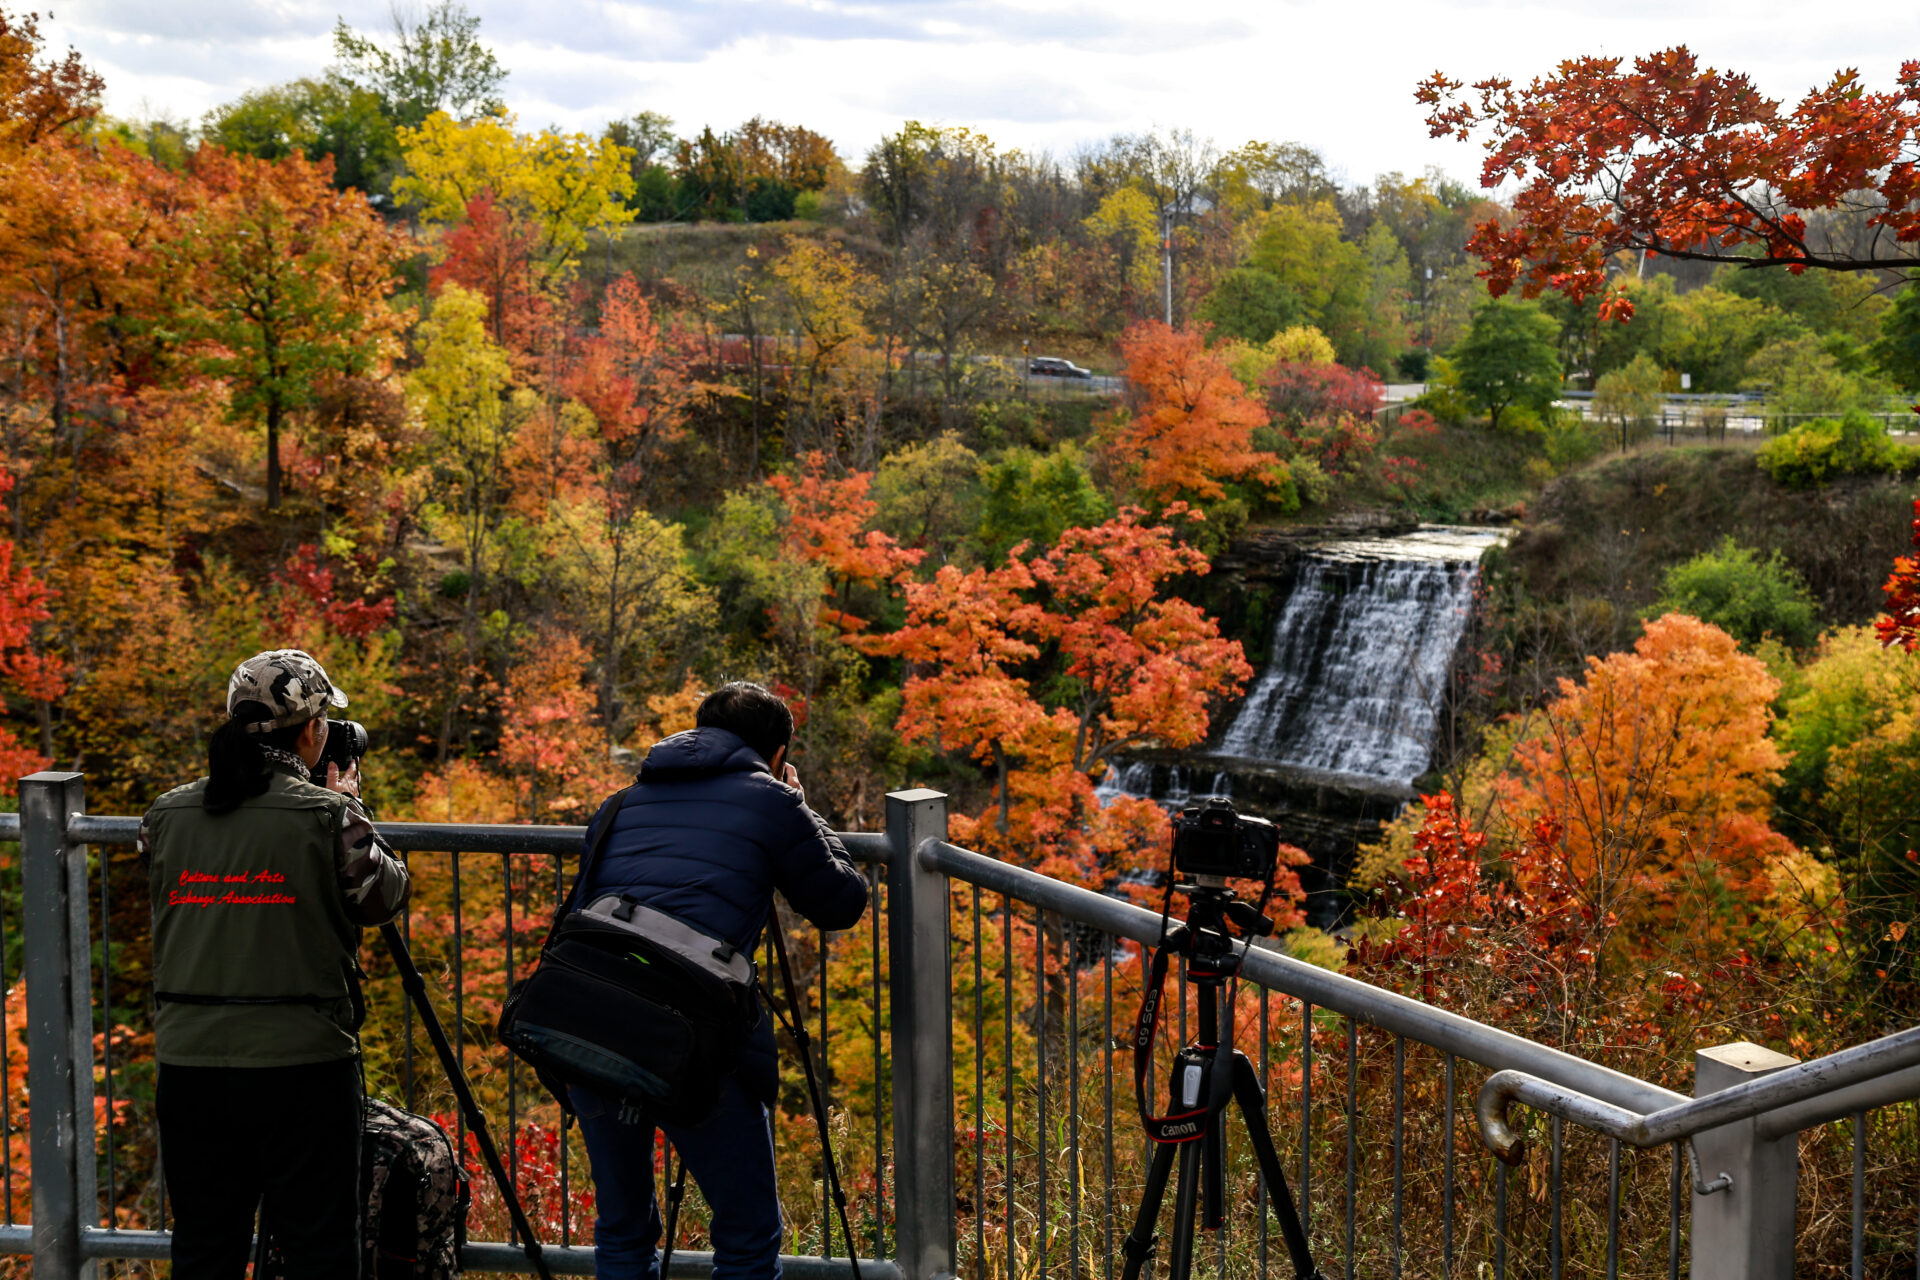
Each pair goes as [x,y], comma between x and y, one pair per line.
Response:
[251,927]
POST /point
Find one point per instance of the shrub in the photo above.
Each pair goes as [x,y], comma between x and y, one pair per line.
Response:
[1742,594]
[1819,451]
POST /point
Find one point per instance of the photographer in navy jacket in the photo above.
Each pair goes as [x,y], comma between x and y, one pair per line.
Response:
[715,824]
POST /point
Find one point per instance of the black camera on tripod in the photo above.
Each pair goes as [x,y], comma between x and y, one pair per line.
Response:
[1212,838]
[346,746]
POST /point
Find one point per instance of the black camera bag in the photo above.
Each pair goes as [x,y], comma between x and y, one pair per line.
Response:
[633,1003]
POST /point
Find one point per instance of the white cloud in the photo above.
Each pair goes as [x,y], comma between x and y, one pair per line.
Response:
[1044,75]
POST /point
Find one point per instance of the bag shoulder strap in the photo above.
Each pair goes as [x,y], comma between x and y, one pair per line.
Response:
[592,855]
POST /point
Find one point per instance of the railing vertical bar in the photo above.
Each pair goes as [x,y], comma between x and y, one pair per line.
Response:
[513,1099]
[826,1081]
[1859,1194]
[1006,980]
[1353,1137]
[1073,1104]
[1306,1116]
[979,1104]
[1446,1171]
[1399,1147]
[566,1184]
[406,936]
[106,1029]
[1260,1178]
[1613,1208]
[1108,942]
[879,1077]
[1674,1185]
[459,1008]
[6,1096]
[1555,1248]
[1040,1065]
[1499,1221]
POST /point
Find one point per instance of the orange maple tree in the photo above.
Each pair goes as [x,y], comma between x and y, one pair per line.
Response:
[1045,667]
[1654,776]
[1674,159]
[1188,425]
[826,525]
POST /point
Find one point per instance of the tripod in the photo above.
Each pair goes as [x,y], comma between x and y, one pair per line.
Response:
[1207,1075]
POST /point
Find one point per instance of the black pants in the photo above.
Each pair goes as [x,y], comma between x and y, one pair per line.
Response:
[229,1135]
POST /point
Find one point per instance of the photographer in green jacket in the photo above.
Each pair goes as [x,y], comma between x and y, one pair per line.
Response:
[261,883]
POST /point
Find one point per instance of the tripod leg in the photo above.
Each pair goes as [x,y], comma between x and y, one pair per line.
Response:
[1253,1109]
[416,989]
[1180,1259]
[1138,1246]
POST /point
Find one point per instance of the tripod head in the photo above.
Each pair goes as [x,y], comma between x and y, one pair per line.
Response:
[1207,936]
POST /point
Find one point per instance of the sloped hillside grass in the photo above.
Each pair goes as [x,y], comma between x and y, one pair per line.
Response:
[1597,542]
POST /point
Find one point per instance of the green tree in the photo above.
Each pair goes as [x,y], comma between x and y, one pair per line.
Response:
[1252,305]
[1508,358]
[433,62]
[1801,375]
[1033,497]
[928,494]
[289,280]
[313,118]
[1747,597]
[1630,398]
[1897,349]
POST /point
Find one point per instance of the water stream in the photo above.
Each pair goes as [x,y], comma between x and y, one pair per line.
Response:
[1356,672]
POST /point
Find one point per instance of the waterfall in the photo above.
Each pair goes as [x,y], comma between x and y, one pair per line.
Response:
[1360,653]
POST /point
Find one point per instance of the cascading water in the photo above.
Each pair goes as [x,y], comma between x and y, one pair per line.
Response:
[1354,681]
[1342,719]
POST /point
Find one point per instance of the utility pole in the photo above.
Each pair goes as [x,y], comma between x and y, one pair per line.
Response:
[1166,259]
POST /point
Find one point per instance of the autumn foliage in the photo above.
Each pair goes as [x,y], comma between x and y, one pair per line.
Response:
[1189,427]
[1125,665]
[1668,157]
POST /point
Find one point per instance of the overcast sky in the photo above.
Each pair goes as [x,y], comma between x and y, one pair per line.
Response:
[1040,74]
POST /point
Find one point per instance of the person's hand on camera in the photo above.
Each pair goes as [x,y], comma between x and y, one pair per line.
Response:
[348,783]
[790,776]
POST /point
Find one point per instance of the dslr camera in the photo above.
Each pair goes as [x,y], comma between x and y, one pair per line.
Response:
[1213,839]
[346,744]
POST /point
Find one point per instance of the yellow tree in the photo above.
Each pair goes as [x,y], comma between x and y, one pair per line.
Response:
[827,293]
[563,185]
[459,391]
[1128,225]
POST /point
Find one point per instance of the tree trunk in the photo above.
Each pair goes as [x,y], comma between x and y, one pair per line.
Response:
[273,453]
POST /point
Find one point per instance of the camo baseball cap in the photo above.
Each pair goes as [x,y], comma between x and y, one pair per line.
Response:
[289,682]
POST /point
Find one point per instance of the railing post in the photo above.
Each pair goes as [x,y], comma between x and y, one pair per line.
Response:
[922,1020]
[59,977]
[1746,1231]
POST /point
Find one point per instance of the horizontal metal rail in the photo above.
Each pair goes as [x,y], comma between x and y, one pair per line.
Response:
[1819,1081]
[434,837]
[1324,989]
[576,1260]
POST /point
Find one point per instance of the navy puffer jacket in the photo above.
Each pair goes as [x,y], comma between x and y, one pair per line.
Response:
[707,835]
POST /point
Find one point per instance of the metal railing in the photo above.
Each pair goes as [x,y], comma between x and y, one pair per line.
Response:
[993,1045]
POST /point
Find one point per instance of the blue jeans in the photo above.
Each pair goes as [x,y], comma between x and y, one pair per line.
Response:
[730,1156]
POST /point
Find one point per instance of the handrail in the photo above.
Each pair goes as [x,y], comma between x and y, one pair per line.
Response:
[1799,1083]
[433,837]
[1449,1032]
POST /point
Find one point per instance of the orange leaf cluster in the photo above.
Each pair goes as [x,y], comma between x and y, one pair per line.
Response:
[1676,159]
[1189,424]
[826,525]
[1123,665]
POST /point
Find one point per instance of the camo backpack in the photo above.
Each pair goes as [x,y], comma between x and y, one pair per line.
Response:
[416,1196]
